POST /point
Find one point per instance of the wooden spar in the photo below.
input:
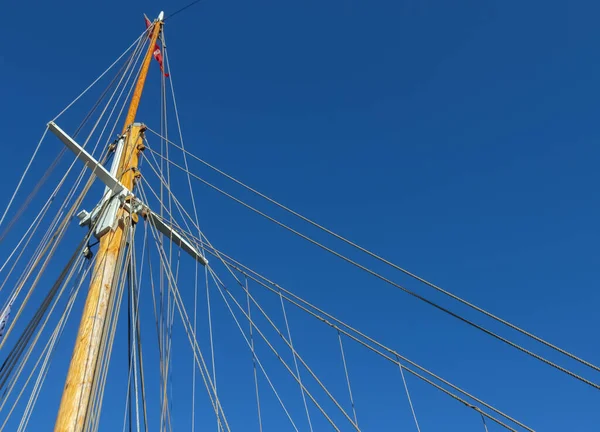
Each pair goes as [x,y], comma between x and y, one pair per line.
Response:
[78,386]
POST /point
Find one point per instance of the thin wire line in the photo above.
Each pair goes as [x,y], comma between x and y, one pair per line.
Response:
[182,9]
[289,333]
[260,428]
[275,289]
[406,290]
[12,198]
[100,77]
[389,263]
[186,321]
[314,376]
[253,352]
[412,408]
[484,423]
[347,375]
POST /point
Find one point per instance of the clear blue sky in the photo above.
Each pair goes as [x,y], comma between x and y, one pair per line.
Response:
[458,139]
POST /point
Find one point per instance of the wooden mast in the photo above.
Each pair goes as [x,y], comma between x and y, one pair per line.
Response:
[78,386]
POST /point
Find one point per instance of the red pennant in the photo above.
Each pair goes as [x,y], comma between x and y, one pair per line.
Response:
[157,53]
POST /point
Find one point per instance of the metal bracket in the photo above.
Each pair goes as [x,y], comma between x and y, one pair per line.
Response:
[119,191]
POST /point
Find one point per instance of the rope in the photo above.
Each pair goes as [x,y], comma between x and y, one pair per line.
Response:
[138,331]
[107,327]
[484,424]
[345,371]
[283,362]
[12,198]
[47,354]
[182,9]
[51,168]
[51,349]
[247,272]
[15,353]
[186,322]
[406,290]
[31,195]
[412,408]
[210,333]
[289,333]
[100,77]
[255,356]
[260,428]
[389,263]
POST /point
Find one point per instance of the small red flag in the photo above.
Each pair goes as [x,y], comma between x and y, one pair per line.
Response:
[157,53]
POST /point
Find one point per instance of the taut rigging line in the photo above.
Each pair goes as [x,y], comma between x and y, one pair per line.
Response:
[410,292]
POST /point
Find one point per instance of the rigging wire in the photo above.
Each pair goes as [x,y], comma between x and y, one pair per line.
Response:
[45,322]
[251,333]
[65,202]
[52,242]
[107,329]
[172,284]
[217,254]
[237,266]
[345,371]
[51,168]
[387,262]
[47,353]
[207,245]
[390,282]
[412,408]
[295,356]
[186,322]
[485,428]
[352,333]
[50,351]
[17,350]
[195,211]
[218,281]
[137,328]
[15,353]
[255,356]
[12,198]
[178,11]
[139,38]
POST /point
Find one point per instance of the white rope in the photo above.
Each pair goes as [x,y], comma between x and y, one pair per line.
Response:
[412,409]
[100,77]
[368,342]
[49,349]
[186,323]
[289,369]
[195,337]
[132,359]
[314,376]
[180,135]
[138,281]
[484,423]
[135,305]
[35,224]
[168,67]
[76,184]
[346,372]
[396,267]
[253,352]
[210,333]
[253,359]
[14,379]
[107,332]
[12,198]
[289,333]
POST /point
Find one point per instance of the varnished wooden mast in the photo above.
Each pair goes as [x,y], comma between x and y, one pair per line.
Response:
[78,386]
